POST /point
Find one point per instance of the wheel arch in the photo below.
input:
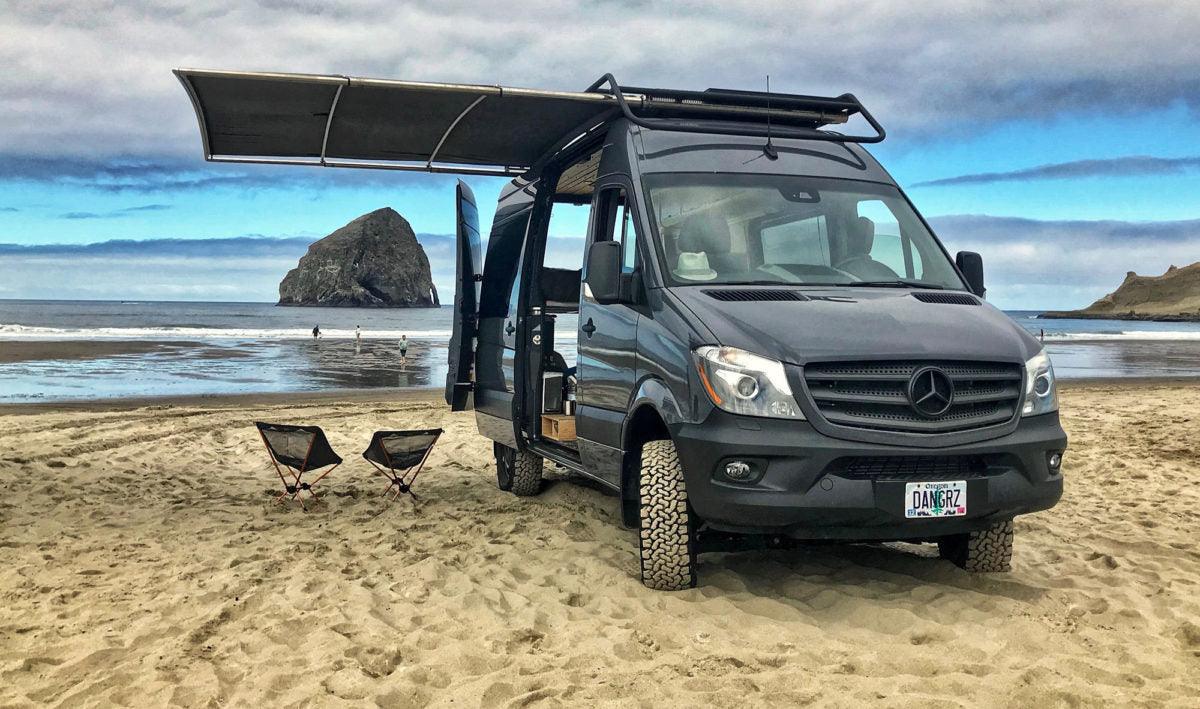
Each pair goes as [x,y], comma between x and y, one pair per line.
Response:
[652,412]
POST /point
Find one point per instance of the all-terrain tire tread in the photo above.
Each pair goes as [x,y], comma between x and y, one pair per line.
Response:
[984,551]
[527,474]
[668,558]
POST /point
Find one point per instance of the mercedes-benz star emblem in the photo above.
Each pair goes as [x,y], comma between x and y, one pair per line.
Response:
[931,392]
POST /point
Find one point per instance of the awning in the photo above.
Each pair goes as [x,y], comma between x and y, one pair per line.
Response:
[341,121]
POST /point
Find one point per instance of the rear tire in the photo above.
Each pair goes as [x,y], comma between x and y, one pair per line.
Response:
[666,539]
[986,551]
[518,472]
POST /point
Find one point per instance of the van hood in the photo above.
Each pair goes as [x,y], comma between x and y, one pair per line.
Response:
[852,323]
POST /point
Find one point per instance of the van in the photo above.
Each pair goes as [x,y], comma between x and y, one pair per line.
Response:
[763,342]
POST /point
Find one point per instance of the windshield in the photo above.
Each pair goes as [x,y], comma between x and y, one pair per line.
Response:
[735,228]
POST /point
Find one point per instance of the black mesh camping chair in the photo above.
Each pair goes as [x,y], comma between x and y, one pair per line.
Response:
[299,449]
[399,457]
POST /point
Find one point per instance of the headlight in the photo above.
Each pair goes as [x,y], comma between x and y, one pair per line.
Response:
[1041,396]
[744,383]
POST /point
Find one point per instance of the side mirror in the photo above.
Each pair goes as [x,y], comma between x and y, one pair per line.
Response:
[971,265]
[604,272]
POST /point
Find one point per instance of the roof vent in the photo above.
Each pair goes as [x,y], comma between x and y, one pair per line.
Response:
[946,298]
[749,295]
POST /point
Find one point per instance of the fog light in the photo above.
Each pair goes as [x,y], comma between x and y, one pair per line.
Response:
[1054,460]
[738,470]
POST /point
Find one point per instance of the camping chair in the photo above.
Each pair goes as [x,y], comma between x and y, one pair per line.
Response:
[399,457]
[299,449]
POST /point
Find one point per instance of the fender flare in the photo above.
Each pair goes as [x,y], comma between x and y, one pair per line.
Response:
[652,392]
[654,395]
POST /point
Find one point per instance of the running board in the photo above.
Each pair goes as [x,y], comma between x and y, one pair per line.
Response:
[567,462]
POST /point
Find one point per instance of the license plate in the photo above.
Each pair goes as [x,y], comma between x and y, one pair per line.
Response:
[941,499]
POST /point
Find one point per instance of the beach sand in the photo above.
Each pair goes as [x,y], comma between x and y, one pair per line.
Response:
[141,564]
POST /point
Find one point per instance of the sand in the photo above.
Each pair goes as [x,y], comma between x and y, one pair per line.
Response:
[141,565]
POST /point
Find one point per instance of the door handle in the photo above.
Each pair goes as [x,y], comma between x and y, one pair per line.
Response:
[589,327]
[509,328]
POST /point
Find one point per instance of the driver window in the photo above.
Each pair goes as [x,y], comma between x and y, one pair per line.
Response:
[615,222]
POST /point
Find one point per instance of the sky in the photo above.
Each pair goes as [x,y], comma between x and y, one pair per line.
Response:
[1060,140]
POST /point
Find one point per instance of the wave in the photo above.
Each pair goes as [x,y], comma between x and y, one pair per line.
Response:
[1154,335]
[31,332]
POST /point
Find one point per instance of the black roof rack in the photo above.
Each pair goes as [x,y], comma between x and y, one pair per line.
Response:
[733,112]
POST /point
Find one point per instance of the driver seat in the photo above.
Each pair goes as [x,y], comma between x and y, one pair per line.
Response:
[709,234]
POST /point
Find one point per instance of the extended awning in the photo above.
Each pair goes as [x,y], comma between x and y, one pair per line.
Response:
[341,121]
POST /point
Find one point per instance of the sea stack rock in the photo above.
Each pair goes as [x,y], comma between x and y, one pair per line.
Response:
[1173,296]
[374,261]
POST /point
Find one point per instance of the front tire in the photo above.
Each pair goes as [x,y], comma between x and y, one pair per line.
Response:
[985,551]
[666,540]
[518,472]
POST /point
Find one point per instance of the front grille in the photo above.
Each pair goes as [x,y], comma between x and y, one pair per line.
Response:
[752,295]
[932,468]
[874,395]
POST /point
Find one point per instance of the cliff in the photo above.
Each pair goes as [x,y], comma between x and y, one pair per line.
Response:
[1175,295]
[374,261]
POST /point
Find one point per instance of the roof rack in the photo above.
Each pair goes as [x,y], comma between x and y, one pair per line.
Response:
[732,112]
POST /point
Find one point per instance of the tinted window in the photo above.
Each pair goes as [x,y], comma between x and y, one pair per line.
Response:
[802,241]
[501,271]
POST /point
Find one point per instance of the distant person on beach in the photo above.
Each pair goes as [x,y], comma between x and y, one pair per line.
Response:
[357,334]
[1042,335]
[316,331]
[404,348]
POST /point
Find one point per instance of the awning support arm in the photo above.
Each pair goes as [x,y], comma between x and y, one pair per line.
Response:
[450,128]
[329,119]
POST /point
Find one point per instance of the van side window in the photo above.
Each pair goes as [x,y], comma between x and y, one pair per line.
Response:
[502,270]
[804,241]
[891,247]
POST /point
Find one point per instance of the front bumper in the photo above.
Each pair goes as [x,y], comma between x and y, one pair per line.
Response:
[801,487]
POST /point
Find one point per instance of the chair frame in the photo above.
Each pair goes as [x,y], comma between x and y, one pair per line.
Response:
[297,485]
[402,482]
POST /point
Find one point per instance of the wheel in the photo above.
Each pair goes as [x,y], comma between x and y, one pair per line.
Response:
[987,550]
[518,472]
[666,540]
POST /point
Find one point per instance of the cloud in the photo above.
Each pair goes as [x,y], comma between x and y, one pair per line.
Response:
[146,208]
[1138,165]
[1033,264]
[168,175]
[116,212]
[85,78]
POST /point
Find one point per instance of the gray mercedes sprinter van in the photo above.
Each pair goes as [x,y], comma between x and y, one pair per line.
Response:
[766,341]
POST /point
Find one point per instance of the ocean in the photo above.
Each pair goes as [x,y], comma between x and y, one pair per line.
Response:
[78,350]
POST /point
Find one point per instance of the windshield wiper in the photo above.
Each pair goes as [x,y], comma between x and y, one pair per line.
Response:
[897,283]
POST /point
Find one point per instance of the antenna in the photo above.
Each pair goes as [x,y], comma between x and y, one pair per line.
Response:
[769,149]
